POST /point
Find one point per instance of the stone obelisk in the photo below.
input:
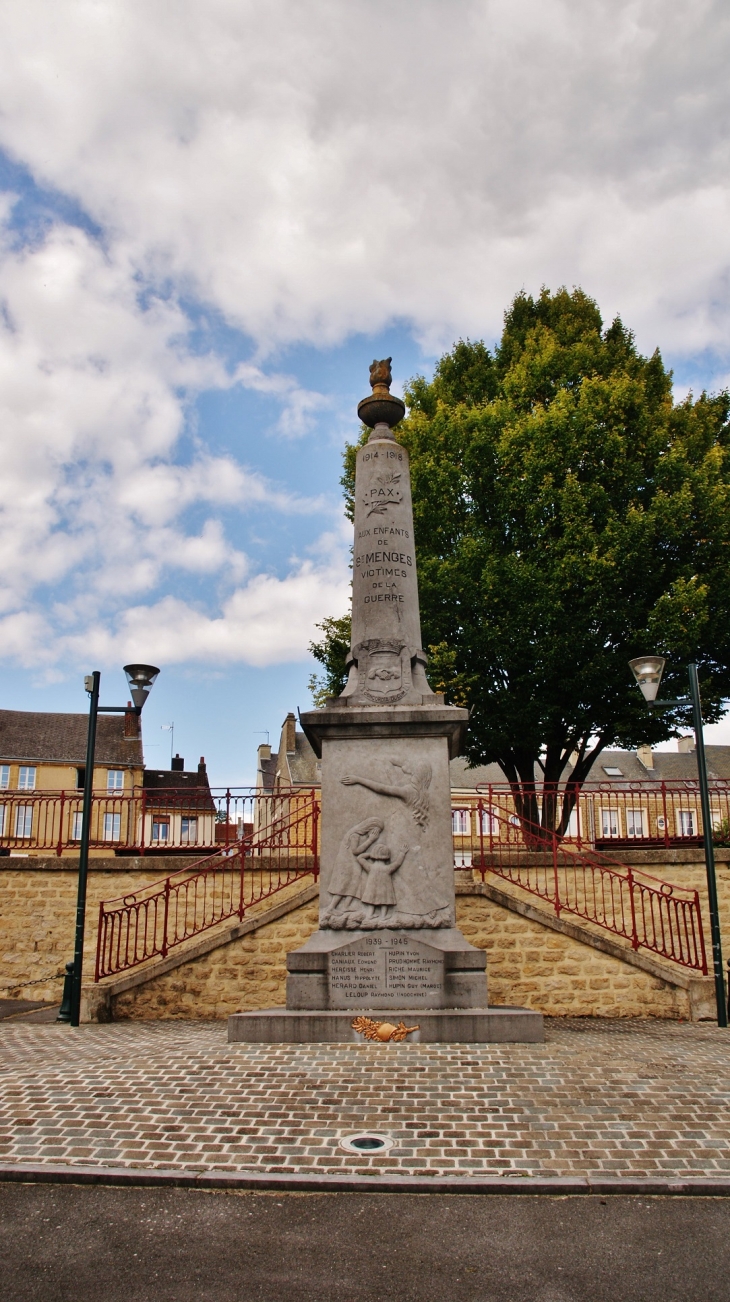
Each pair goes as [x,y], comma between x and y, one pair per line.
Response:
[387,940]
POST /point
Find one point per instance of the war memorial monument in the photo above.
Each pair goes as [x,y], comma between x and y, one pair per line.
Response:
[387,961]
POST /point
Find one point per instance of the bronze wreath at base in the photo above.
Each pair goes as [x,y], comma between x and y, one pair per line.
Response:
[382,1031]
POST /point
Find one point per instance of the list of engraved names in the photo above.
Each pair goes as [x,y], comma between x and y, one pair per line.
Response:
[387,971]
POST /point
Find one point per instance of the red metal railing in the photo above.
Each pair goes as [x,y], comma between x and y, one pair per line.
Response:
[641,815]
[149,923]
[279,846]
[173,820]
[649,913]
[647,814]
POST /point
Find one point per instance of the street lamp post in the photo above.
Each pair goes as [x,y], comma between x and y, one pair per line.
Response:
[140,679]
[648,671]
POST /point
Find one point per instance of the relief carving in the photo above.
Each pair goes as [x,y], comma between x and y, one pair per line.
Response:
[413,791]
[378,879]
[384,493]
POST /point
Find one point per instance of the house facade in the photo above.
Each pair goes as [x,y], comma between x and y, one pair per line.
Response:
[42,772]
[178,813]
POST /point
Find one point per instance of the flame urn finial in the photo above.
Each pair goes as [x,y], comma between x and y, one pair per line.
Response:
[381,408]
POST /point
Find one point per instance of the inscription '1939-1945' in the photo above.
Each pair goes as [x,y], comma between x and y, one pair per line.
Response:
[388,971]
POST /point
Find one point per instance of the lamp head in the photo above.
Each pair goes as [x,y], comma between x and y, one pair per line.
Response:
[141,678]
[647,671]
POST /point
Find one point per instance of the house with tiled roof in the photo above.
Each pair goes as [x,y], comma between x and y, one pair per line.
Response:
[47,752]
[293,765]
[42,770]
[178,810]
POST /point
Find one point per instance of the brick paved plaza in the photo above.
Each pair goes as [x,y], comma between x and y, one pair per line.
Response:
[614,1097]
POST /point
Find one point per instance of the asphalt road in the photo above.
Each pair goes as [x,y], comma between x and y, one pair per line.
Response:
[79,1244]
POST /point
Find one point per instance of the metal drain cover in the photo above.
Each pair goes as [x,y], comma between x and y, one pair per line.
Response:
[366,1142]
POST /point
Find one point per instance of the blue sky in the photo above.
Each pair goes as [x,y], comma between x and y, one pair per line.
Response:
[214,217]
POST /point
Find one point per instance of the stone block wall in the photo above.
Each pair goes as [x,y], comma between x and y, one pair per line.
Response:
[38,915]
[535,967]
[247,973]
[528,964]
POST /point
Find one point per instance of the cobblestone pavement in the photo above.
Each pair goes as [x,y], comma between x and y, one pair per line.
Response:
[611,1097]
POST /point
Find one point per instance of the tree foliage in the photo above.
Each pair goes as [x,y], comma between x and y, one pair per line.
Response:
[568,516]
[332,653]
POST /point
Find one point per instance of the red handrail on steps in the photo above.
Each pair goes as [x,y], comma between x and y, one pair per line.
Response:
[648,912]
[150,922]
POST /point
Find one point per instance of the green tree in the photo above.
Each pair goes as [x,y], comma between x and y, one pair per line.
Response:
[332,653]
[568,516]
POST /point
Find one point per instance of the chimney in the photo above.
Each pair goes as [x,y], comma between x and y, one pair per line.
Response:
[131,724]
[290,733]
[643,753]
[264,751]
[177,764]
[685,745]
[201,766]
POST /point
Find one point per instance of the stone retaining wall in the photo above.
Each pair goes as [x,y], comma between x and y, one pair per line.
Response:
[528,964]
[38,913]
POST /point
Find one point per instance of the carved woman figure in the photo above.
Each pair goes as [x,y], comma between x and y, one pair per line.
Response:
[414,791]
[349,875]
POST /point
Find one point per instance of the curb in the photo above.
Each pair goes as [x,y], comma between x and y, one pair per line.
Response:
[284,1182]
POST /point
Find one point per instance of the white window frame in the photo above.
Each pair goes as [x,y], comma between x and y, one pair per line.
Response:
[687,822]
[158,822]
[461,822]
[610,819]
[3,811]
[77,819]
[185,829]
[4,777]
[112,827]
[632,816]
[115,779]
[575,824]
[23,822]
[490,823]
[26,777]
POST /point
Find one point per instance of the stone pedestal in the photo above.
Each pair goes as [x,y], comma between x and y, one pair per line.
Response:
[445,1026]
[387,969]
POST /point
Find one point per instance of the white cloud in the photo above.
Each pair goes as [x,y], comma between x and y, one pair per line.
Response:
[94,388]
[269,621]
[314,169]
[306,171]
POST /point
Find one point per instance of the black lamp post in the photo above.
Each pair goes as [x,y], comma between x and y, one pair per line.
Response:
[140,679]
[647,671]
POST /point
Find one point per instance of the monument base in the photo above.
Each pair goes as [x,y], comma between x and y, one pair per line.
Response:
[435,1026]
[425,968]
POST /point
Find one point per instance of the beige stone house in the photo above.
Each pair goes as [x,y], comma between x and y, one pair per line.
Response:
[178,813]
[42,767]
